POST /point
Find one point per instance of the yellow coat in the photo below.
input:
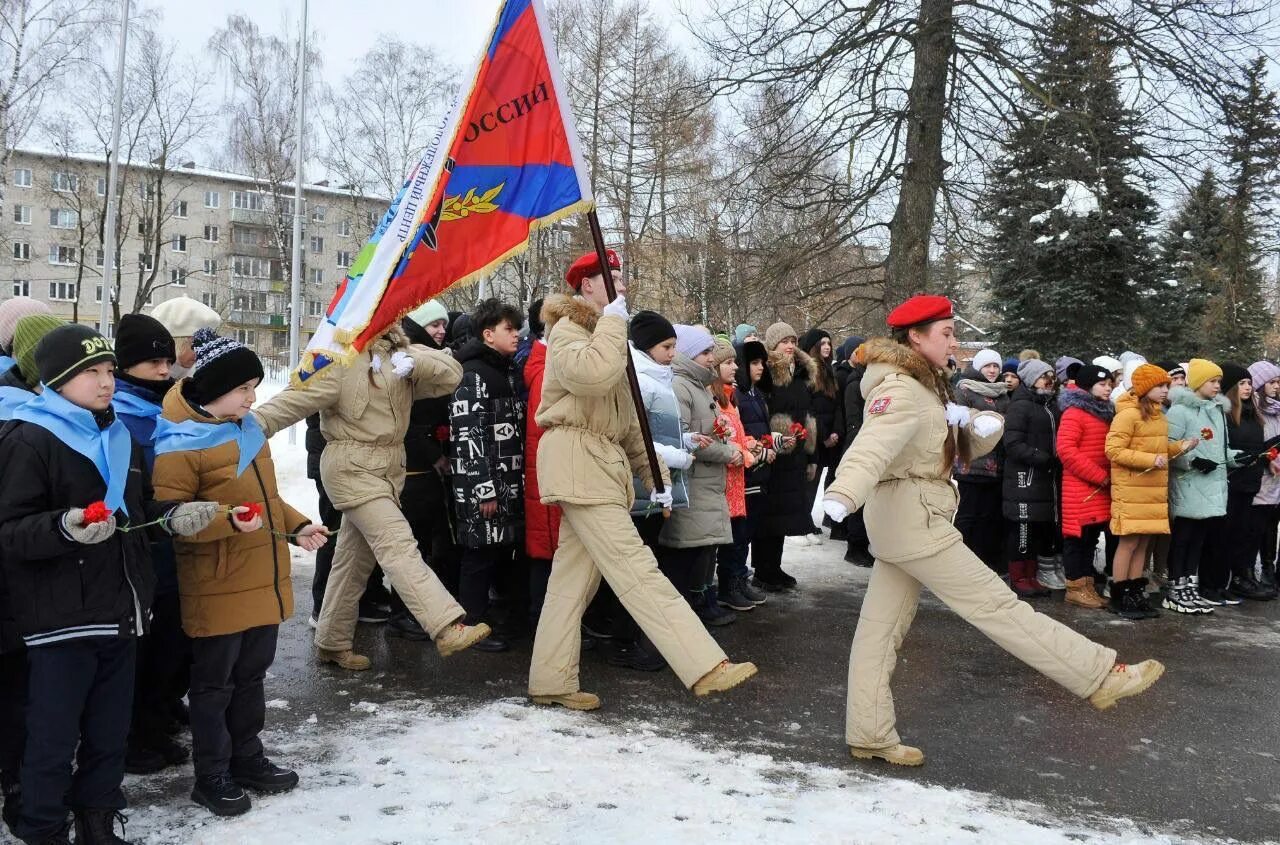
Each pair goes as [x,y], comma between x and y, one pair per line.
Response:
[1139,490]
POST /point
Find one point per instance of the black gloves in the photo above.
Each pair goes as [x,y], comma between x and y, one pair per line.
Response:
[1203,465]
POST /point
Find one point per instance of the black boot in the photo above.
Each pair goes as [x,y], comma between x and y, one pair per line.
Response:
[261,775]
[1268,579]
[141,759]
[1143,601]
[62,837]
[1130,599]
[221,795]
[404,626]
[11,788]
[859,556]
[1247,587]
[639,655]
[98,827]
[1115,603]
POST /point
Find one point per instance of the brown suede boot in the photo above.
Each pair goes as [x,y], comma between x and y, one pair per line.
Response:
[1081,592]
[724,677]
[898,755]
[346,659]
[572,700]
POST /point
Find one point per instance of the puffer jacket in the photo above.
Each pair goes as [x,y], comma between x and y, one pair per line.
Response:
[364,415]
[486,440]
[974,391]
[666,429]
[1195,494]
[1082,449]
[228,581]
[1247,437]
[1139,489]
[591,444]
[1269,491]
[899,466]
[1031,468]
[788,511]
[541,522]
[706,521]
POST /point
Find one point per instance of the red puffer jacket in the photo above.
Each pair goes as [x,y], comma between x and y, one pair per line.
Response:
[1086,472]
[541,522]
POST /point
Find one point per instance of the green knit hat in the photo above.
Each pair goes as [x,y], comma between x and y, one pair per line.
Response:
[26,335]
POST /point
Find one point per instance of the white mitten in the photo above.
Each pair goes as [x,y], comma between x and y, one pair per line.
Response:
[957,415]
[665,499]
[835,509]
[986,425]
[376,363]
[618,308]
[401,364]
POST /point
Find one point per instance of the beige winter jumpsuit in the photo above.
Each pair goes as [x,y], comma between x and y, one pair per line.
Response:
[897,469]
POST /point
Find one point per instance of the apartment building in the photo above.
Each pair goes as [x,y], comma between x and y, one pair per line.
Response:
[224,239]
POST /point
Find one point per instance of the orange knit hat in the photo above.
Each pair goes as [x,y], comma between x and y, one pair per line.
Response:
[1147,377]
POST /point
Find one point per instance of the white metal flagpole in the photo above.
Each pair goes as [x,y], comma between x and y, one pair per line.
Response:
[295,292]
[110,267]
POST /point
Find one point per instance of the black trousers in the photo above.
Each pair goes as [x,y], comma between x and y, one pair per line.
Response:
[1270,516]
[1192,553]
[228,702]
[426,509]
[856,526]
[687,569]
[1030,540]
[13,712]
[491,568]
[331,517]
[1077,552]
[1241,535]
[606,613]
[164,671]
[980,521]
[79,700]
[766,556]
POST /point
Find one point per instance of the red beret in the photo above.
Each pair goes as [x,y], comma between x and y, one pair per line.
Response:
[588,266]
[920,309]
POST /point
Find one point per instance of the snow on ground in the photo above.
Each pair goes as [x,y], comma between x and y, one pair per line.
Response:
[512,772]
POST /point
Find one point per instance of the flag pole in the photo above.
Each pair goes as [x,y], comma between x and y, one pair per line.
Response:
[295,264]
[602,254]
[110,268]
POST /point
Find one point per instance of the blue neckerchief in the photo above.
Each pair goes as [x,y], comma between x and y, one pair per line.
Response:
[109,449]
[133,405]
[191,435]
[11,398]
[6,364]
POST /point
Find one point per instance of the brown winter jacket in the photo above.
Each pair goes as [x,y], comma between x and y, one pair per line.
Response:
[1139,490]
[899,465]
[591,444]
[228,581]
[364,414]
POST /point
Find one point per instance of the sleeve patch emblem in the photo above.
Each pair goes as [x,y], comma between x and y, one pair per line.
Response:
[880,405]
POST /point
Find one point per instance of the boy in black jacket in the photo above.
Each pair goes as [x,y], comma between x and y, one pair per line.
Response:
[80,582]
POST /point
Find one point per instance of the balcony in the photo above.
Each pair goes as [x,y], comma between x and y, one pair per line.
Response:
[251,318]
[246,217]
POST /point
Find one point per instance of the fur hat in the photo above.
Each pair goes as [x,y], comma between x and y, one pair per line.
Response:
[812,338]
[1146,378]
[777,333]
[13,310]
[1200,370]
[985,357]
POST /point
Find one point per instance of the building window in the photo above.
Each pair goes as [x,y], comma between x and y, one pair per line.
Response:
[211,199]
[370,219]
[177,277]
[247,337]
[62,218]
[344,228]
[102,186]
[97,293]
[145,261]
[146,191]
[317,244]
[144,227]
[180,209]
[209,298]
[22,178]
[247,200]
[101,259]
[245,237]
[317,214]
[251,302]
[62,291]
[22,215]
[344,259]
[178,243]
[21,251]
[63,255]
[315,308]
[317,276]
[63,181]
[250,268]
[211,234]
[210,266]
[21,287]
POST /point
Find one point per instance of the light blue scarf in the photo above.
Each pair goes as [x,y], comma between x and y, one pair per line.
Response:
[11,398]
[193,435]
[109,449]
[134,406]
[7,363]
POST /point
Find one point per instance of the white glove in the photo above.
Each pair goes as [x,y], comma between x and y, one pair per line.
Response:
[665,499]
[401,364]
[618,308]
[834,509]
[690,440]
[957,415]
[375,363]
[986,425]
[92,534]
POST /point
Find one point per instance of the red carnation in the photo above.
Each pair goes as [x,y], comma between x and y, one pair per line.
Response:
[767,441]
[799,432]
[253,510]
[96,512]
[722,428]
[1273,453]
[1206,434]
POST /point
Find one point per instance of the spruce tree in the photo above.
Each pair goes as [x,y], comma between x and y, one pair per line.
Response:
[1070,254]
[1191,255]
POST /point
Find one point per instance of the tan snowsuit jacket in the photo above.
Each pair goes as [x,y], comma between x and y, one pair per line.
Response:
[899,466]
[364,414]
[591,443]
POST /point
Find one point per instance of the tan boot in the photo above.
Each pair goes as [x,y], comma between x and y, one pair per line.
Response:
[346,659]
[724,677]
[458,636]
[572,700]
[1081,592]
[1124,681]
[898,755]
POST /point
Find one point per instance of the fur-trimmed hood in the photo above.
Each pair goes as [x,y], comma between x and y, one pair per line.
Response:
[1087,402]
[559,307]
[885,356]
[782,374]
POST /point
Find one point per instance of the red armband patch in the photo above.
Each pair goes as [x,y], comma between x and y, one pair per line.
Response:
[880,405]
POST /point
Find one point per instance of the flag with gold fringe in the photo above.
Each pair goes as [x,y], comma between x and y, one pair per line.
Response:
[506,162]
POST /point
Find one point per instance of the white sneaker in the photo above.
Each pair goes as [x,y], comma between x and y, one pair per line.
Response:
[313,621]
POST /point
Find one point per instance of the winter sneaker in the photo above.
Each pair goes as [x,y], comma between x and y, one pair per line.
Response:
[143,760]
[787,580]
[572,700]
[346,659]
[751,593]
[373,611]
[1196,596]
[220,795]
[1047,573]
[1210,596]
[635,656]
[709,610]
[261,775]
[1080,592]
[731,596]
[859,557]
[898,755]
[769,585]
[404,626]
[1179,598]
[1124,681]
[98,827]
[457,637]
[723,678]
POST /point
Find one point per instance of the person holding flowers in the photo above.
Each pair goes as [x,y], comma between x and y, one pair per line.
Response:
[76,526]
[234,576]
[1244,526]
[1266,397]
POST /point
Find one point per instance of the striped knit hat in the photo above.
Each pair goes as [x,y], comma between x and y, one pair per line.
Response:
[68,350]
[13,310]
[222,365]
[26,334]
